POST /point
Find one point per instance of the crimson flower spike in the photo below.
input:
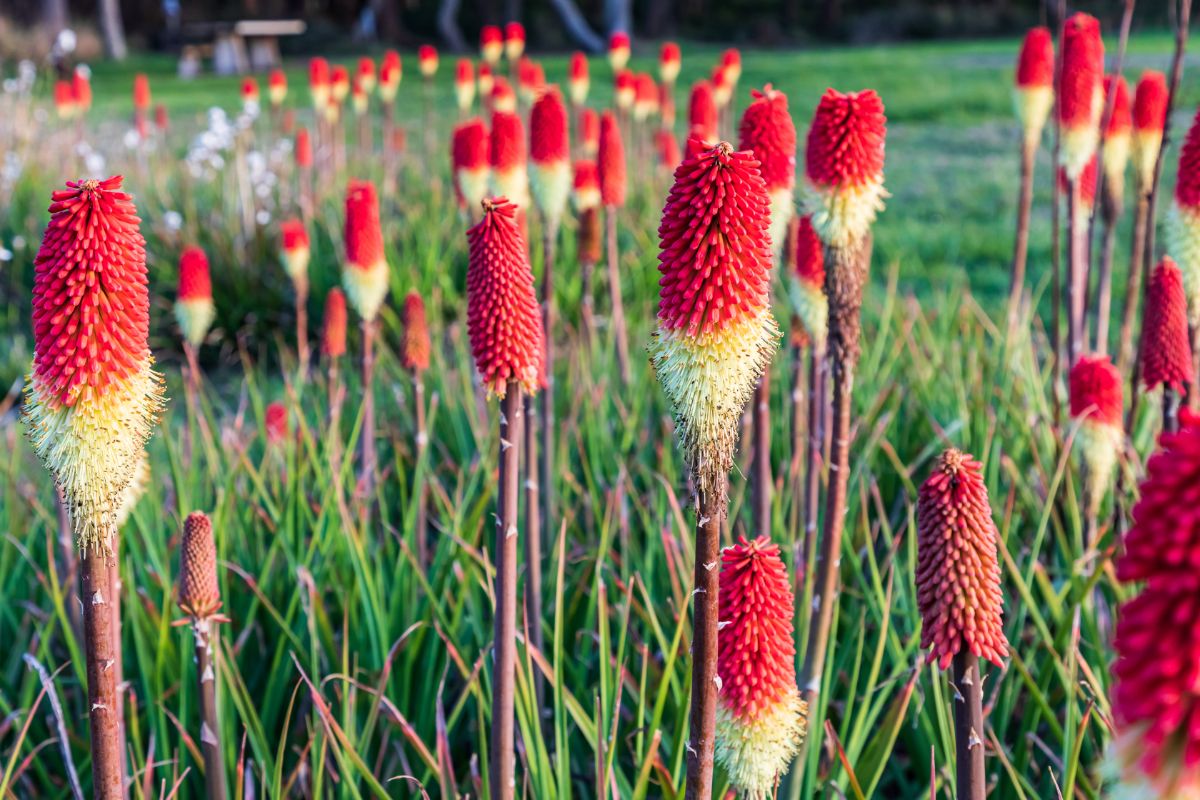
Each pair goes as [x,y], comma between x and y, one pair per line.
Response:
[761,720]
[808,290]
[194,310]
[365,270]
[1080,92]
[1166,352]
[464,84]
[1034,92]
[1096,406]
[844,191]
[1117,142]
[618,50]
[611,167]
[1149,119]
[91,403]
[1156,751]
[702,112]
[549,150]
[767,130]
[491,44]
[958,595]
[507,154]
[1183,220]
[469,149]
[715,337]
[514,41]
[578,81]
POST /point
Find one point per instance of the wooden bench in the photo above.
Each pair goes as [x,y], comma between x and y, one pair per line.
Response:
[237,47]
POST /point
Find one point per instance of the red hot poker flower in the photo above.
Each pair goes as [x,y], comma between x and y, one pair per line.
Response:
[669,62]
[1149,119]
[550,174]
[761,719]
[414,344]
[504,321]
[199,591]
[366,73]
[318,82]
[611,162]
[295,252]
[491,43]
[469,158]
[304,153]
[81,87]
[669,156]
[586,185]
[1117,137]
[808,290]
[333,326]
[1096,401]
[514,40]
[702,111]
[141,92]
[194,310]
[768,131]
[1080,94]
[275,419]
[589,132]
[249,90]
[507,154]
[1155,704]
[1165,353]
[277,86]
[844,165]
[1035,65]
[1183,219]
[618,50]
[427,60]
[464,83]
[578,81]
[365,274]
[958,576]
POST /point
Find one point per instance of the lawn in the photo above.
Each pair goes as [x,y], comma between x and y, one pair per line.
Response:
[351,669]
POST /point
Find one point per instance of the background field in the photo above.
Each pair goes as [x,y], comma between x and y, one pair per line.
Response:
[348,664]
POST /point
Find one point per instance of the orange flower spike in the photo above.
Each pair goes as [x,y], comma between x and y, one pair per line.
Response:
[333,325]
[415,346]
[199,590]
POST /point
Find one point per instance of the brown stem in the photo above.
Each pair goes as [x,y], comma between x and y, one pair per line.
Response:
[1138,277]
[533,537]
[114,597]
[617,315]
[206,642]
[1056,225]
[421,530]
[367,462]
[302,354]
[1104,286]
[1077,266]
[968,727]
[549,248]
[815,451]
[502,767]
[336,397]
[100,648]
[1029,147]
[762,455]
[710,509]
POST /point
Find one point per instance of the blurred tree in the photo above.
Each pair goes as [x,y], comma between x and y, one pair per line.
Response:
[113,29]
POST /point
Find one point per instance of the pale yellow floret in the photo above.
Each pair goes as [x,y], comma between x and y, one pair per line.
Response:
[366,288]
[134,491]
[783,208]
[1131,782]
[513,184]
[295,264]
[389,90]
[755,754]
[1183,245]
[1033,106]
[586,199]
[1145,147]
[464,94]
[277,94]
[709,379]
[195,317]
[1098,446]
[550,185]
[1077,147]
[1116,158]
[578,90]
[841,216]
[473,184]
[812,307]
[93,447]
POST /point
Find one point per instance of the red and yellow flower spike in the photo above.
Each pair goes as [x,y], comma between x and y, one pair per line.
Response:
[702,112]
[1183,220]
[1150,100]
[1096,405]
[427,61]
[514,41]
[645,96]
[715,331]
[194,310]
[365,74]
[295,252]
[504,99]
[64,100]
[589,133]
[1165,353]
[491,44]
[761,719]
[1117,137]
[768,131]
[1080,92]
[249,93]
[844,165]
[504,321]
[578,81]
[390,73]
[277,87]
[464,84]
[339,83]
[1156,752]
[611,162]
[624,89]
[275,420]
[81,88]
[93,396]
[550,152]
[304,153]
[669,62]
[958,575]
[365,270]
[469,149]
[1034,85]
[507,155]
[415,346]
[618,50]
[808,290]
[318,82]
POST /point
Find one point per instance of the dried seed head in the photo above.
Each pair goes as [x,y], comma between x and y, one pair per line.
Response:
[1155,704]
[365,272]
[1149,118]
[844,166]
[194,309]
[958,576]
[333,326]
[414,344]
[611,162]
[715,330]
[199,592]
[504,321]
[469,147]
[1080,93]
[93,397]
[761,720]
[1166,351]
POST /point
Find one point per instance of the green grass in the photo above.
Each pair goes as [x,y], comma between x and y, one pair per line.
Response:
[348,665]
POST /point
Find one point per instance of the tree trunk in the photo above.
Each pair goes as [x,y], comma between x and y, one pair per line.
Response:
[113,29]
[576,26]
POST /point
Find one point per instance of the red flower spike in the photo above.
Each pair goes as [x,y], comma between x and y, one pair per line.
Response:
[160,119]
[761,719]
[645,100]
[414,343]
[427,60]
[199,590]
[1166,353]
[1087,184]
[731,64]
[669,156]
[64,99]
[702,111]
[333,325]
[618,50]
[669,62]
[624,88]
[1096,402]
[277,86]
[275,420]
[469,148]
[1187,181]
[304,153]
[507,156]
[1155,704]
[504,100]
[365,274]
[548,129]
[81,87]
[504,320]
[844,164]
[1121,120]
[958,575]
[589,126]
[1035,65]
[339,82]
[295,252]
[809,258]
[514,40]
[391,72]
[1150,102]
[141,92]
[295,237]
[578,81]
[366,73]
[249,90]
[1095,388]
[464,71]
[194,280]
[1080,94]
[808,291]
[611,162]
[587,185]
[768,131]
[491,43]
[318,82]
